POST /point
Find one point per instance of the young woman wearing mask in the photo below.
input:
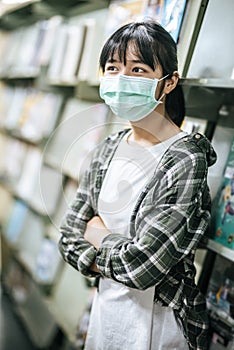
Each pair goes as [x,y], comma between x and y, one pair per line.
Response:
[143,205]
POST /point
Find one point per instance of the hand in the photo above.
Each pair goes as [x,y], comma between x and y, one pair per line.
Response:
[95,231]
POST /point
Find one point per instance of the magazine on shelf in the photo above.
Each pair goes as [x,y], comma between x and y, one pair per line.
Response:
[15,221]
[122,12]
[47,261]
[39,115]
[24,60]
[12,160]
[3,147]
[12,47]
[59,49]
[75,41]
[30,113]
[223,208]
[6,95]
[4,40]
[29,178]
[169,13]
[50,27]
[14,109]
[68,194]
[94,39]
[21,47]
[221,142]
[82,127]
[31,237]
[47,190]
[220,300]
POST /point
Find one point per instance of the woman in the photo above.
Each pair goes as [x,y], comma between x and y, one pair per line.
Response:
[143,206]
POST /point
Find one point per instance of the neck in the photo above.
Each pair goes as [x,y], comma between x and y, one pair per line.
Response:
[153,129]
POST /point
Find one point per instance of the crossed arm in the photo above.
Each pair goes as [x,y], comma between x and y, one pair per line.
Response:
[95,232]
[166,232]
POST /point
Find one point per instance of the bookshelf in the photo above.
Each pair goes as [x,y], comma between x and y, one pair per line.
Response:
[50,121]
[51,118]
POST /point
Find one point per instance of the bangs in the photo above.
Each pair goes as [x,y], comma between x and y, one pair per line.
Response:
[141,44]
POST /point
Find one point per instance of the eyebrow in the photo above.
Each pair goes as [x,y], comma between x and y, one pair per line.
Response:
[112,60]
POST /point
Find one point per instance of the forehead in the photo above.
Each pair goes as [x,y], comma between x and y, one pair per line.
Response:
[130,54]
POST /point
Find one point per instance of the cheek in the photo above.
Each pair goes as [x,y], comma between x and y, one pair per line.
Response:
[159,90]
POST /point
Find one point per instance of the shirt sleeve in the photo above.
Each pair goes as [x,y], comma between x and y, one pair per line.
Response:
[74,248]
[168,226]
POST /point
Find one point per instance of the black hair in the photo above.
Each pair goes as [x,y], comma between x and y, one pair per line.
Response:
[154,46]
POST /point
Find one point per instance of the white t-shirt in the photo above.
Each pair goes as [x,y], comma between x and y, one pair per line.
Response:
[130,169]
[122,317]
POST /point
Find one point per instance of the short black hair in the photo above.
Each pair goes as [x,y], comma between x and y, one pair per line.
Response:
[154,46]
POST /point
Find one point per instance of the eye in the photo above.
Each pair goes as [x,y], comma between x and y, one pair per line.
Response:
[111,68]
[138,70]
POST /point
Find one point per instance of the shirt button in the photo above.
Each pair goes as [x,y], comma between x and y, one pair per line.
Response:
[197,136]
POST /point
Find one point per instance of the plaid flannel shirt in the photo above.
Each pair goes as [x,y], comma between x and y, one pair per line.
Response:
[168,223]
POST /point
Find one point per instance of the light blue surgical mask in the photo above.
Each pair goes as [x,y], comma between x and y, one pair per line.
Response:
[129,97]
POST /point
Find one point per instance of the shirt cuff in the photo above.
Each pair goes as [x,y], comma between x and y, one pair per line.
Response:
[85,261]
[109,247]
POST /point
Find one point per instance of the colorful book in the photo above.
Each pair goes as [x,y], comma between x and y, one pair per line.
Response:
[16,221]
[47,262]
[223,213]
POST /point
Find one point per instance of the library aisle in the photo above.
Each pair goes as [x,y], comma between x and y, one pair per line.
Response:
[12,333]
[52,119]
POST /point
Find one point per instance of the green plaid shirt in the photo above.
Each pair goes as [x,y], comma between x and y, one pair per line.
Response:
[169,221]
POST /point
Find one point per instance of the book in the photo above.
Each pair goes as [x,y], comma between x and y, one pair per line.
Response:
[6,204]
[29,174]
[221,142]
[6,95]
[81,128]
[94,40]
[15,108]
[58,53]
[47,261]
[12,160]
[168,13]
[38,115]
[72,57]
[12,47]
[4,39]
[31,237]
[15,221]
[47,190]
[28,112]
[220,301]
[3,145]
[87,54]
[68,194]
[122,12]
[46,49]
[223,213]
[23,64]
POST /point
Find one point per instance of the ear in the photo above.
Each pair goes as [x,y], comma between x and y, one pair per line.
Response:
[171,83]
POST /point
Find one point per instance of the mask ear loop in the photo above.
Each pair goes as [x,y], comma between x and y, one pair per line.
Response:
[165,76]
[160,98]
[168,75]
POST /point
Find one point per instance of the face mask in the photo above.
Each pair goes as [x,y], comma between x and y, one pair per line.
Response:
[130,98]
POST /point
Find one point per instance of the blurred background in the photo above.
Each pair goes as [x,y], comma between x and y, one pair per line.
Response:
[51,119]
